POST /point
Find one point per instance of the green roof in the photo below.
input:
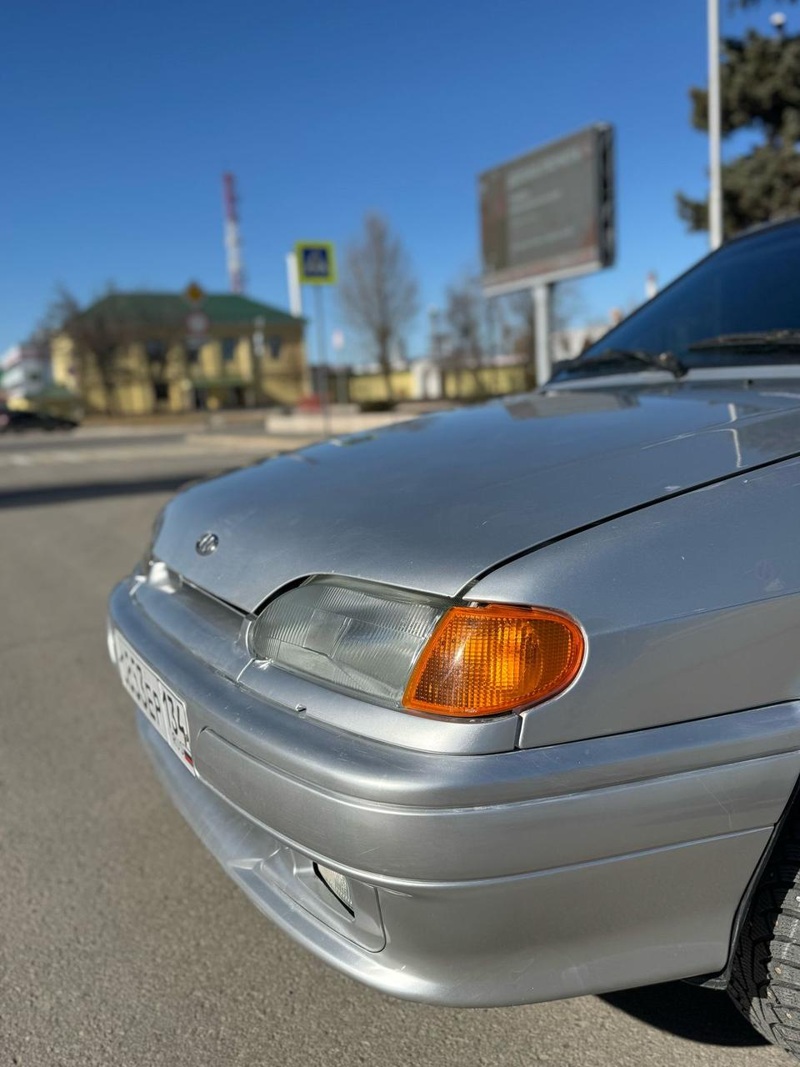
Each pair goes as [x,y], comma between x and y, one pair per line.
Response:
[170,309]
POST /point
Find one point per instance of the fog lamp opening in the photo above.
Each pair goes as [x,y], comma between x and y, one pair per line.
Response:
[337,884]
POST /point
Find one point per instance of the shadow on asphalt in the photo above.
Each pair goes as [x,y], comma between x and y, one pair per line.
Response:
[67,493]
[703,1015]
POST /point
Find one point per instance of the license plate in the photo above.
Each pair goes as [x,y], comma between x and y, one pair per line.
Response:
[165,710]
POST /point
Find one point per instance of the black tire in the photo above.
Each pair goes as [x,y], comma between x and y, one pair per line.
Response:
[765,979]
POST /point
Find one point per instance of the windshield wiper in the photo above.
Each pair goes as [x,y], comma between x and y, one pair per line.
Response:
[789,339]
[660,360]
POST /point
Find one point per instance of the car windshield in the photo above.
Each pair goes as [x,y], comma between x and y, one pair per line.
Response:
[739,306]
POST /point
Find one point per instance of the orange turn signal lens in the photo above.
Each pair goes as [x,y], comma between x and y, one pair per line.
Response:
[491,659]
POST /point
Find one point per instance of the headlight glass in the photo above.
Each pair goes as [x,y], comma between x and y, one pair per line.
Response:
[361,638]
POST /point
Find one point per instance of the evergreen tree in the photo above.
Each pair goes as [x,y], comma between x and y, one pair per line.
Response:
[760,89]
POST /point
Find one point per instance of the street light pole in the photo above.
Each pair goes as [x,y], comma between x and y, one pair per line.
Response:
[778,22]
[714,129]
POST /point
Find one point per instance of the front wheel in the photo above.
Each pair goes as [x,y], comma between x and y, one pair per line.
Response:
[765,978]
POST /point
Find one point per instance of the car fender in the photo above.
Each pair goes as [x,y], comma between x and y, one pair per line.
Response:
[691,608]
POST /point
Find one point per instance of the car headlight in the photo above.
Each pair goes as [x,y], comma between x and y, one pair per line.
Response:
[147,557]
[361,638]
[423,654]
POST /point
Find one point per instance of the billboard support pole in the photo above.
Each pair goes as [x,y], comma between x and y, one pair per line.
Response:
[542,295]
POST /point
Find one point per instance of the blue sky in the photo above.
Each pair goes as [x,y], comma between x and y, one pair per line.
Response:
[118,120]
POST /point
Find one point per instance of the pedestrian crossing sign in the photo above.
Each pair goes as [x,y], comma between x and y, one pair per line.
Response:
[316,262]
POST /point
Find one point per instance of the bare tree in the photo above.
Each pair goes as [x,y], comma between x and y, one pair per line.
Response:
[97,334]
[566,306]
[378,291]
[522,332]
[61,307]
[479,326]
[467,313]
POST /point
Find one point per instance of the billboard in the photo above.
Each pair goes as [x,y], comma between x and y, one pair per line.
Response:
[549,214]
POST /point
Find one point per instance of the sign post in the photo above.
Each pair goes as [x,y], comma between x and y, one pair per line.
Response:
[316,265]
[197,322]
[340,389]
[547,216]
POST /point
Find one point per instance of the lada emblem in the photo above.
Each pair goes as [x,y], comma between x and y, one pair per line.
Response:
[206,544]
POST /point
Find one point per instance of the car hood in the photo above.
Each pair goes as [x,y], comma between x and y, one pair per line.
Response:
[432,503]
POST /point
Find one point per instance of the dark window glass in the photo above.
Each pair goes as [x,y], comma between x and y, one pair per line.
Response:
[228,349]
[156,351]
[750,285]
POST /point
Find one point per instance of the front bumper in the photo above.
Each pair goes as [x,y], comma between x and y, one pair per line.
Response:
[479,879]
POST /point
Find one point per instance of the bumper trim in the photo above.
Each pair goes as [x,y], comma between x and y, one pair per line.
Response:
[406,845]
[587,928]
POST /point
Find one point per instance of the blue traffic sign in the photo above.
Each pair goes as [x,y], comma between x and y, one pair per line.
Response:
[316,262]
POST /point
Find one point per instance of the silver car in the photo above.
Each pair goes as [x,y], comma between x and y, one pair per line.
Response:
[503,705]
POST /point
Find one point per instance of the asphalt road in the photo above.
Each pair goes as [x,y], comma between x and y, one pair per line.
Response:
[121,941]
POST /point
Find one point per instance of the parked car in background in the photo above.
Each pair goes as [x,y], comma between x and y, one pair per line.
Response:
[13,420]
[503,704]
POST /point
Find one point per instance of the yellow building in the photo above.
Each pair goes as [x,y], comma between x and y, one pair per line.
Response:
[427,380]
[139,353]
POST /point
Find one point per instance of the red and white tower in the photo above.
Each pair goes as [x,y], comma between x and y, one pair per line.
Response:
[233,242]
